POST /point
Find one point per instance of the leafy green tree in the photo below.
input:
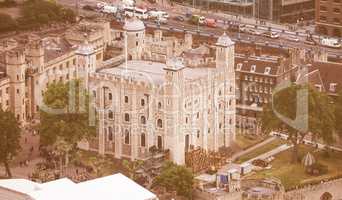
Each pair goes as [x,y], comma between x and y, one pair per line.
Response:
[132,167]
[338,113]
[9,139]
[320,116]
[7,23]
[40,12]
[176,178]
[72,125]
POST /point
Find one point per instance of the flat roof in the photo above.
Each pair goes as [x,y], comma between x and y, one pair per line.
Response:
[152,72]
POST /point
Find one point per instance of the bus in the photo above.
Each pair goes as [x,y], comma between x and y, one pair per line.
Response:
[140,13]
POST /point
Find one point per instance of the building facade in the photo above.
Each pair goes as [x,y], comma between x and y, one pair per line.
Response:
[145,102]
[328,17]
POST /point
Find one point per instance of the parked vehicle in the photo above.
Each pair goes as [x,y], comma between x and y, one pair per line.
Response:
[160,21]
[235,27]
[109,9]
[157,14]
[330,42]
[271,34]
[197,20]
[210,23]
[179,18]
[140,13]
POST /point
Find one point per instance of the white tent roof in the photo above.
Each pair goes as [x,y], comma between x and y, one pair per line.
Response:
[112,187]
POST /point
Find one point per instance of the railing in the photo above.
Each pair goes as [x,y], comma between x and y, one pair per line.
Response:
[110,147]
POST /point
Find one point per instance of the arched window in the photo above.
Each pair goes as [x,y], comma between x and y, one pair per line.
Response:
[127,139]
[110,114]
[143,120]
[142,102]
[326,196]
[159,123]
[110,96]
[126,117]
[110,133]
[126,99]
[159,105]
[142,140]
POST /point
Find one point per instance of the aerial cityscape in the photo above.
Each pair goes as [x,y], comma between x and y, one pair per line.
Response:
[171,99]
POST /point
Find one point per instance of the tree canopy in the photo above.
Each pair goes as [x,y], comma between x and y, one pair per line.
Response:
[9,138]
[7,23]
[40,12]
[72,125]
[318,119]
[176,178]
[338,114]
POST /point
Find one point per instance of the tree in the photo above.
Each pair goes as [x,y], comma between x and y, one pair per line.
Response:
[338,113]
[132,167]
[9,138]
[177,178]
[320,116]
[7,23]
[73,124]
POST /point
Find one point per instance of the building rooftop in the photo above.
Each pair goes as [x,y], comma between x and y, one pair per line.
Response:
[152,72]
[116,186]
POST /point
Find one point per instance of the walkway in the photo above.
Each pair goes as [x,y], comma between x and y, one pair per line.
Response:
[273,152]
[241,153]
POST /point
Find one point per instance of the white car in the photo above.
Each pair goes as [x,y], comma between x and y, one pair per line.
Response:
[329,42]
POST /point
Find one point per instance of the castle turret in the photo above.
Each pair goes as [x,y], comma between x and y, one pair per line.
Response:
[15,70]
[135,33]
[35,55]
[225,55]
[86,61]
[174,97]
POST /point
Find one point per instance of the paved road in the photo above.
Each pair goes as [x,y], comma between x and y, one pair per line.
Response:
[243,37]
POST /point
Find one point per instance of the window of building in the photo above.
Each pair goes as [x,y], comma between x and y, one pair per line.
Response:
[337,10]
[7,90]
[126,117]
[253,67]
[143,140]
[159,105]
[159,123]
[337,1]
[110,114]
[110,96]
[74,61]
[143,120]
[198,115]
[127,137]
[186,120]
[267,70]
[142,102]
[17,91]
[110,133]
[17,77]
[126,99]
[238,66]
[332,87]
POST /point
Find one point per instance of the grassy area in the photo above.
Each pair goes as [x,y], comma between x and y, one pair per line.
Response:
[244,141]
[293,175]
[261,150]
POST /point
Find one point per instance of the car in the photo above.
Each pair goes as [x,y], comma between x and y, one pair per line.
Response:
[160,21]
[291,38]
[270,34]
[179,18]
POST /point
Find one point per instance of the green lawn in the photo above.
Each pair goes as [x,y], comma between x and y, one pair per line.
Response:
[245,141]
[261,150]
[293,175]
